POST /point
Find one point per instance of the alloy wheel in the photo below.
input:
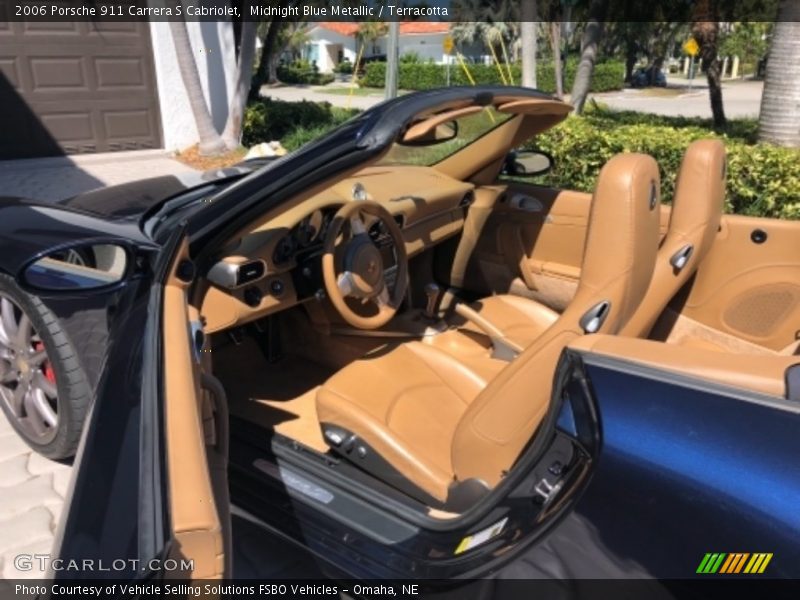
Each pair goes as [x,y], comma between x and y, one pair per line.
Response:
[27,379]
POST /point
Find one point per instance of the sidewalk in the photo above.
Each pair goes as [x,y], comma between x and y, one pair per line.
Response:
[56,178]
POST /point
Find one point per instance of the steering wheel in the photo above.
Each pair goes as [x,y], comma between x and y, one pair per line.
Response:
[355,268]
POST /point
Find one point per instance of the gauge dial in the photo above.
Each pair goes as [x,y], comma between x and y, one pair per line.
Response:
[283,250]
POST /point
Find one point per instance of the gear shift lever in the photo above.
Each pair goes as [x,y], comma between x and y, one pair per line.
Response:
[433,293]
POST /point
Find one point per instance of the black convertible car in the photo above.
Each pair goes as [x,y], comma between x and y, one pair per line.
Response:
[394,349]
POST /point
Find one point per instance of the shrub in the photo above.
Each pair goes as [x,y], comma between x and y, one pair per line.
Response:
[267,119]
[345,67]
[763,180]
[607,76]
[302,72]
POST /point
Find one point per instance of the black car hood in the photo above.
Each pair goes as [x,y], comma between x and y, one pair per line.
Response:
[131,200]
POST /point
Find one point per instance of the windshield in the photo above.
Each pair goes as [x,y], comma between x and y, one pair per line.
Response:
[470,129]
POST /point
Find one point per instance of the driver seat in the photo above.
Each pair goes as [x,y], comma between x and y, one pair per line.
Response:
[420,420]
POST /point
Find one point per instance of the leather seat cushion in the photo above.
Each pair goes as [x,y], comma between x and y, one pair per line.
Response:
[522,320]
[405,404]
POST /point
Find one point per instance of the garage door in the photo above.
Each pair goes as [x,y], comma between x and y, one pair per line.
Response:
[76,87]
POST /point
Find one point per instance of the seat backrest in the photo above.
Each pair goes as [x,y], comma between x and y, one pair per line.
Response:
[693,224]
[620,251]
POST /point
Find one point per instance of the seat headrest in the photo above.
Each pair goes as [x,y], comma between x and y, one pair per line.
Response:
[622,240]
[699,193]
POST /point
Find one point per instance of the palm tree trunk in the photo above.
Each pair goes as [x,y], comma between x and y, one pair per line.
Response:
[232,133]
[707,34]
[210,141]
[779,122]
[555,40]
[583,77]
[267,66]
[630,59]
[528,38]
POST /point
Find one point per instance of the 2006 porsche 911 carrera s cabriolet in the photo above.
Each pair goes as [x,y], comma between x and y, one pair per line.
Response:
[396,349]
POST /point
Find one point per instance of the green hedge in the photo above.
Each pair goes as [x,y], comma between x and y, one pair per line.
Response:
[607,76]
[303,73]
[293,123]
[763,180]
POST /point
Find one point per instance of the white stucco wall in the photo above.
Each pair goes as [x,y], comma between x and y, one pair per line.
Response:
[321,39]
[427,46]
[215,54]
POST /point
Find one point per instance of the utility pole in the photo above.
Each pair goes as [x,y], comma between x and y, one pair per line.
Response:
[392,48]
[527,26]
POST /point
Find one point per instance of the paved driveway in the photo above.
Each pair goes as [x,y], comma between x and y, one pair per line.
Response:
[32,491]
[62,177]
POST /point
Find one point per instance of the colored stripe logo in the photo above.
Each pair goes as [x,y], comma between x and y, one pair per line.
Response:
[734,563]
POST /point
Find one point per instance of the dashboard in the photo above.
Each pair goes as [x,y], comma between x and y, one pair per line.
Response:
[308,233]
[276,262]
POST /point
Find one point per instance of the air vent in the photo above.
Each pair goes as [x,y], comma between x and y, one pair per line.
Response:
[249,272]
[400,220]
[230,275]
[467,200]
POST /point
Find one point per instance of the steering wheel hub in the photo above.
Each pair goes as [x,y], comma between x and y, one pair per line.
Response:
[364,261]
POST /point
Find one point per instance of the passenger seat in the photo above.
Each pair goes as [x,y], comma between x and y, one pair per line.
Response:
[694,221]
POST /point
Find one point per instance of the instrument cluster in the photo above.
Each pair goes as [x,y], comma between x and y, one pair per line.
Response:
[308,233]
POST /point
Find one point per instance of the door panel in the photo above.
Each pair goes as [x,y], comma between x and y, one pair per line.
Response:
[198,525]
[747,289]
[532,244]
[697,465]
[760,374]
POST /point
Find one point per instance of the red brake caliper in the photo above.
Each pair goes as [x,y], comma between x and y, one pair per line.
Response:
[47,368]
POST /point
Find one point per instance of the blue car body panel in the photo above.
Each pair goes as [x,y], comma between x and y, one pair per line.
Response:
[686,468]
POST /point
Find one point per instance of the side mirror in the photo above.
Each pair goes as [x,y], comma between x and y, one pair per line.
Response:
[81,267]
[527,163]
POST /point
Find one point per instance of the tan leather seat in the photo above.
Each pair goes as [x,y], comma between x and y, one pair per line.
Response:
[521,320]
[694,221]
[422,421]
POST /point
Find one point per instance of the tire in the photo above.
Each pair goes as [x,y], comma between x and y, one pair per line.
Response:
[61,368]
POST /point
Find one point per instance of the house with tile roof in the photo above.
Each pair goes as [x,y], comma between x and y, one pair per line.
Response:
[329,43]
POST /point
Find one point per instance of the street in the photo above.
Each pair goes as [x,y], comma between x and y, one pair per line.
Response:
[742,98]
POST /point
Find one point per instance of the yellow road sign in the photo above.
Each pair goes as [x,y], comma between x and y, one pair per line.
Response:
[447,44]
[691,47]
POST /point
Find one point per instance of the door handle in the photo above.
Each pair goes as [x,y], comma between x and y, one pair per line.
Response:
[680,259]
[526,203]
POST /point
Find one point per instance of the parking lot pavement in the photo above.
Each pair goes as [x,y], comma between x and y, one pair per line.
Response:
[57,178]
[32,491]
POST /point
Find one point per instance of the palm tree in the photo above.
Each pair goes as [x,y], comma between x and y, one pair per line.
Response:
[590,44]
[294,38]
[370,31]
[555,46]
[210,141]
[232,134]
[706,33]
[779,122]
